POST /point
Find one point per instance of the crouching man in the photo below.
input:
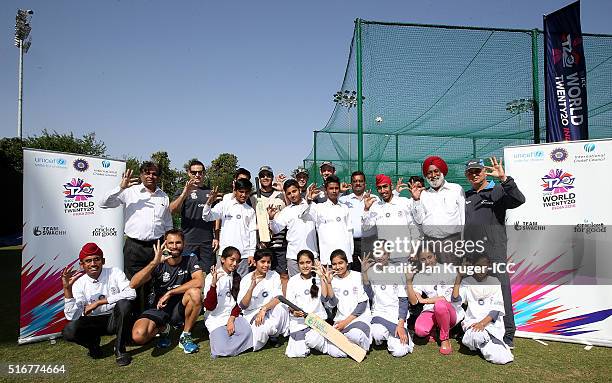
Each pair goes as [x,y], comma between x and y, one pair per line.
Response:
[96,303]
[176,299]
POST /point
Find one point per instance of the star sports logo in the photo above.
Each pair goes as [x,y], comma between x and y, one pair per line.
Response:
[79,190]
[566,54]
[558,181]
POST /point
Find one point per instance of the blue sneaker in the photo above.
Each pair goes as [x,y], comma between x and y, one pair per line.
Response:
[187,344]
[164,338]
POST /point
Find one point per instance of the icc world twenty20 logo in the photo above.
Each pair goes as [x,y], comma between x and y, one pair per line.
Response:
[78,190]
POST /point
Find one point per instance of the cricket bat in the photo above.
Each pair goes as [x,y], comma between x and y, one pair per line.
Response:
[328,331]
[262,214]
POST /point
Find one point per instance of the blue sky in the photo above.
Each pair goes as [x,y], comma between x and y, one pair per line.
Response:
[199,78]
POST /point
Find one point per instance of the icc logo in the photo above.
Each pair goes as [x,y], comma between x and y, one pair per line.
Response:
[106,164]
[589,147]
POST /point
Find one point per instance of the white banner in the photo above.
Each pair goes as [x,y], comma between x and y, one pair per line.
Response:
[61,214]
[560,242]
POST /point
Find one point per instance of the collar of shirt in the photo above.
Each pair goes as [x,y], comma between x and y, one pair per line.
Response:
[145,190]
[329,202]
[490,185]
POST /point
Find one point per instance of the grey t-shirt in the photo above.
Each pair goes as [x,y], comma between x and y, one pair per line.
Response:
[195,228]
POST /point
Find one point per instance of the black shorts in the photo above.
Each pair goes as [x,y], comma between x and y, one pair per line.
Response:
[173,313]
[279,263]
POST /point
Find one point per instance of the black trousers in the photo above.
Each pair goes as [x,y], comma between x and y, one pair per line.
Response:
[87,330]
[204,252]
[361,246]
[136,255]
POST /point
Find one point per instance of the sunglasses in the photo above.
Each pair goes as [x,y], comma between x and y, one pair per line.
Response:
[196,172]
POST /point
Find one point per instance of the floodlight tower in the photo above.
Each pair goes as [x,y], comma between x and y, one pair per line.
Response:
[22,32]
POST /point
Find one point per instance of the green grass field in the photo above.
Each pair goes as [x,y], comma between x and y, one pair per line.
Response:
[557,362]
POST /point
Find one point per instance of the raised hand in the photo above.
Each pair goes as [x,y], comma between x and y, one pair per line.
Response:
[272,210]
[160,253]
[401,186]
[368,200]
[127,180]
[345,186]
[255,280]
[496,169]
[190,186]
[69,276]
[279,180]
[214,275]
[212,196]
[312,191]
[416,190]
[366,262]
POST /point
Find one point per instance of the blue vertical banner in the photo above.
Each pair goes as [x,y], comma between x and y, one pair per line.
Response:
[565,76]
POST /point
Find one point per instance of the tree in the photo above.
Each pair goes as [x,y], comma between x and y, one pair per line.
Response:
[221,171]
[11,167]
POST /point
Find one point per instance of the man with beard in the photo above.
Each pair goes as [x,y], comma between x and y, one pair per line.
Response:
[199,237]
[176,298]
[392,216]
[485,219]
[362,239]
[97,302]
[440,210]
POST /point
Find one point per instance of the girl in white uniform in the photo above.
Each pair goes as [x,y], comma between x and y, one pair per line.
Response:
[484,318]
[347,294]
[230,333]
[257,298]
[306,291]
[438,311]
[389,307]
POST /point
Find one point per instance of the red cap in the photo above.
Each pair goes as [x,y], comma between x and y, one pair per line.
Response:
[90,249]
[382,179]
[437,161]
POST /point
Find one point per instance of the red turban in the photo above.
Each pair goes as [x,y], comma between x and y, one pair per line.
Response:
[437,161]
[382,179]
[90,249]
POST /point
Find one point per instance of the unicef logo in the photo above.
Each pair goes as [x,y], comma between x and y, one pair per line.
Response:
[558,155]
[481,302]
[306,292]
[238,216]
[338,219]
[106,164]
[383,287]
[61,161]
[589,147]
[388,215]
[264,294]
[345,293]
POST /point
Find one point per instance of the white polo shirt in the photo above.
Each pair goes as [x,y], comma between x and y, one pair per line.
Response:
[482,298]
[301,235]
[333,224]
[386,301]
[225,302]
[267,289]
[349,291]
[356,206]
[441,212]
[147,215]
[390,217]
[111,284]
[298,293]
[238,225]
